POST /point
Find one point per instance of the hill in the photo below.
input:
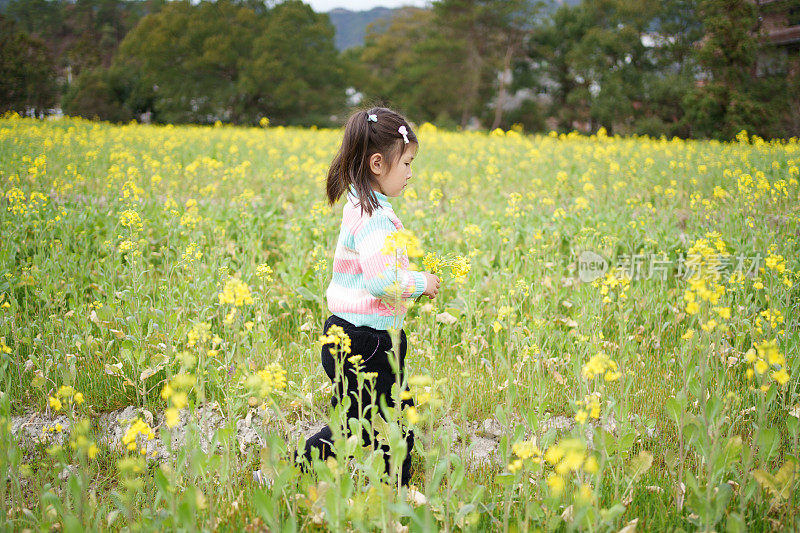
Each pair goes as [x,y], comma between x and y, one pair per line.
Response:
[351,25]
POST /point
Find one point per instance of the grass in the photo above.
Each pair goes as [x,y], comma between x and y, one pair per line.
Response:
[106,302]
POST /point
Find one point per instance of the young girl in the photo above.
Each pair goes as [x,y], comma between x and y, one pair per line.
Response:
[373,165]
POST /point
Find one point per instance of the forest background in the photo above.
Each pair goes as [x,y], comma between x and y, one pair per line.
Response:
[686,68]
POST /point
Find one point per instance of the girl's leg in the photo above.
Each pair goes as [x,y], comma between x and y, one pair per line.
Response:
[363,342]
[384,382]
[322,441]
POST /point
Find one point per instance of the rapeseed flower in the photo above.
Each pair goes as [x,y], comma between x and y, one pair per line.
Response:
[264,271]
[338,337]
[403,240]
[601,364]
[138,427]
[264,382]
[235,292]
[131,219]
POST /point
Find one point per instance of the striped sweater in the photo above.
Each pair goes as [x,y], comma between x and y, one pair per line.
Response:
[363,276]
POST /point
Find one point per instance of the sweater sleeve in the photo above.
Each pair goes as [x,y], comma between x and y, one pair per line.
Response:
[384,276]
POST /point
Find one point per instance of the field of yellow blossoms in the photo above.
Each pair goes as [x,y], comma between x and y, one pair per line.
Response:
[618,316]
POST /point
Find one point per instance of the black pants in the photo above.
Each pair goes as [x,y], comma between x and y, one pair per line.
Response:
[375,348]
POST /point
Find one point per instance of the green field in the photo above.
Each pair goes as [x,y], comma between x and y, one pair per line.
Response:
[175,268]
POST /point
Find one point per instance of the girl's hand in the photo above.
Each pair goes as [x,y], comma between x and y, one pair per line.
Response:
[431,285]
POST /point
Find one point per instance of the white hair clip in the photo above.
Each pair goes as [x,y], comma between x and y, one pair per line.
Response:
[404,132]
[373,118]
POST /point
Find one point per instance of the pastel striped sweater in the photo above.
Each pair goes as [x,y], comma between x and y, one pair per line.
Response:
[362,275]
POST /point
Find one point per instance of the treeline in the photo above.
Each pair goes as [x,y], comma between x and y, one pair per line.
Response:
[688,68]
[175,62]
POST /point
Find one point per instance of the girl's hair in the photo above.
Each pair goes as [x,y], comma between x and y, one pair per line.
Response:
[367,132]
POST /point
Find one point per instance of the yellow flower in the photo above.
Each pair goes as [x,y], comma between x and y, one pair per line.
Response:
[527,449]
[55,403]
[688,335]
[171,417]
[139,427]
[585,493]
[423,380]
[200,333]
[266,381]
[709,326]
[235,292]
[556,484]
[581,416]
[593,404]
[591,466]
[130,219]
[761,366]
[403,240]
[92,451]
[336,335]
[573,459]
[431,262]
[781,376]
[769,350]
[78,398]
[412,415]
[179,399]
[264,271]
[601,364]
[724,312]
[554,454]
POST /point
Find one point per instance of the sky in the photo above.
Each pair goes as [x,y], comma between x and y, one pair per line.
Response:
[362,5]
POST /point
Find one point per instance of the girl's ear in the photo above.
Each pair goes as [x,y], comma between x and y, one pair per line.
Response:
[376,164]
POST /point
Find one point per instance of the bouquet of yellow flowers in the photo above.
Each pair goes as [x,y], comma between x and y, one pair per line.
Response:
[458,265]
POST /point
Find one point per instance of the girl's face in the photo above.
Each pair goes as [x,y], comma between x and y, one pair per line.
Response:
[392,179]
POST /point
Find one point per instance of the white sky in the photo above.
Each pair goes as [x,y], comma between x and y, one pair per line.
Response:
[320,6]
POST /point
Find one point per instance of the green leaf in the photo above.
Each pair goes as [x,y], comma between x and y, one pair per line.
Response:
[640,464]
[735,523]
[768,441]
[626,441]
[308,295]
[780,485]
[673,410]
[504,478]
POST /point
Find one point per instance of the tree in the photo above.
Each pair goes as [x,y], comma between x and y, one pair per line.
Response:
[295,75]
[674,35]
[409,66]
[80,34]
[490,35]
[725,103]
[442,64]
[99,94]
[235,61]
[621,65]
[551,50]
[513,23]
[188,60]
[27,76]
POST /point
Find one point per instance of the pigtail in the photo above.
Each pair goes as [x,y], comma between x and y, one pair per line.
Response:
[337,183]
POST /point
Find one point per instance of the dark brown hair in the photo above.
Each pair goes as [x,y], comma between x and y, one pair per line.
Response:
[362,138]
